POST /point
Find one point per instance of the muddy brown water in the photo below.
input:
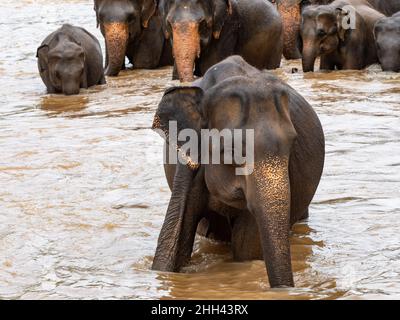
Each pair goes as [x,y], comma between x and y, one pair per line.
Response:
[83,193]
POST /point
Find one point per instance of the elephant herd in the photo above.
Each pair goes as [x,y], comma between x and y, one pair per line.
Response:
[219,50]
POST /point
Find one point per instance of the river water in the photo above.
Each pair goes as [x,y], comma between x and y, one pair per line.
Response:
[83,193]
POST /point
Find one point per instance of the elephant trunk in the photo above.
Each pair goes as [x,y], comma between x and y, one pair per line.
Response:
[309,56]
[291,19]
[269,201]
[186,48]
[70,89]
[175,243]
[116,35]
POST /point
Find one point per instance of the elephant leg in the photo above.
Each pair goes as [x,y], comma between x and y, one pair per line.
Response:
[175,75]
[51,89]
[102,80]
[246,244]
[215,227]
[353,63]
[327,63]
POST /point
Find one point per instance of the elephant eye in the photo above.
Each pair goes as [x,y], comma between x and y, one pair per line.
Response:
[321,32]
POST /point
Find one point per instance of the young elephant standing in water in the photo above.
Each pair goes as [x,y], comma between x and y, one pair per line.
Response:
[387,36]
[255,211]
[70,58]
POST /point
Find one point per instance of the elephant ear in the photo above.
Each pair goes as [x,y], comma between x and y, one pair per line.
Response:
[42,55]
[341,15]
[221,9]
[149,8]
[180,104]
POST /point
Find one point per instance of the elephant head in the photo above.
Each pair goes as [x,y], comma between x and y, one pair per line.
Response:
[63,63]
[387,39]
[120,21]
[241,102]
[191,25]
[321,33]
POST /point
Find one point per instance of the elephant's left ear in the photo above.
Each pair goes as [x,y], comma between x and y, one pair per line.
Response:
[42,55]
[222,8]
[149,8]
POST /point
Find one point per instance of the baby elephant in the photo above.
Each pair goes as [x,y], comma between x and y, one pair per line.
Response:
[387,36]
[70,58]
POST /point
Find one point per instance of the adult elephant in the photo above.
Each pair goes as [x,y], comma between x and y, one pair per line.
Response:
[255,209]
[387,36]
[327,31]
[290,11]
[387,7]
[205,32]
[132,28]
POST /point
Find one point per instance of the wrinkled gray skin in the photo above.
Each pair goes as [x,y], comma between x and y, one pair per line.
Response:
[69,59]
[290,11]
[323,35]
[387,7]
[254,212]
[204,32]
[132,29]
[387,36]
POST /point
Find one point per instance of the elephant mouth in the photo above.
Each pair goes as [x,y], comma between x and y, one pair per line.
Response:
[116,35]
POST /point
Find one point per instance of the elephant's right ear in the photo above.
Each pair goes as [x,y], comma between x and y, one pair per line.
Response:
[182,105]
[42,55]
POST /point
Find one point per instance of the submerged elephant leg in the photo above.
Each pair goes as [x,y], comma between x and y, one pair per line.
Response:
[246,244]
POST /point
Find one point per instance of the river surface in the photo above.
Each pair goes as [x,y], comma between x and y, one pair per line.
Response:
[83,193]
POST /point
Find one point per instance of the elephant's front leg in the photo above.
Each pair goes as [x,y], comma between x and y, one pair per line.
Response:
[269,201]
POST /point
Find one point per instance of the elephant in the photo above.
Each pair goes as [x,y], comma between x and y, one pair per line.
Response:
[70,58]
[387,36]
[387,7]
[290,11]
[327,31]
[132,28]
[253,211]
[204,32]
